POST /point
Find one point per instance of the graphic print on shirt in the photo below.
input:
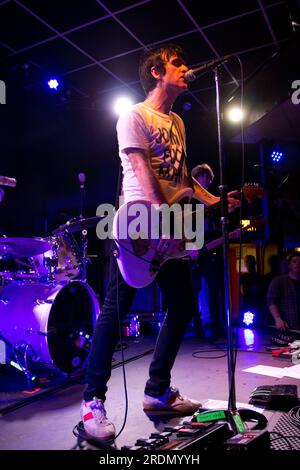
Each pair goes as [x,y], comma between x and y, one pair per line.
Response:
[171,167]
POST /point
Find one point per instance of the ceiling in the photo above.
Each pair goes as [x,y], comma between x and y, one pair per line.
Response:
[93,46]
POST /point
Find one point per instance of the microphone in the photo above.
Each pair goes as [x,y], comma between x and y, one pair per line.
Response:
[6,181]
[192,74]
[82,179]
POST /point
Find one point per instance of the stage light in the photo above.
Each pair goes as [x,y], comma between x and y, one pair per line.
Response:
[248,318]
[276,156]
[235,114]
[122,105]
[53,84]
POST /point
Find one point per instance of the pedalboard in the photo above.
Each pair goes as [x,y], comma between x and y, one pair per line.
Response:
[189,435]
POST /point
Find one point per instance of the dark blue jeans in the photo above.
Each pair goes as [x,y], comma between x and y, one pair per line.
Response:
[175,282]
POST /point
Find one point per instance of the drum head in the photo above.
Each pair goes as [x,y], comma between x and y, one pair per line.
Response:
[70,326]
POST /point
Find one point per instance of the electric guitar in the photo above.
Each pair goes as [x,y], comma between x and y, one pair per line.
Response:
[138,252]
[253,224]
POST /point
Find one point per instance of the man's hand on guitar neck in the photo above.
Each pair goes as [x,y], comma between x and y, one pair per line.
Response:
[233,201]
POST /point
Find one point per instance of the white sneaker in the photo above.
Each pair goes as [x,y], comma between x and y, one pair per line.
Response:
[171,400]
[95,422]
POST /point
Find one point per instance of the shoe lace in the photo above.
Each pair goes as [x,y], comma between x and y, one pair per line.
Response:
[98,410]
[175,392]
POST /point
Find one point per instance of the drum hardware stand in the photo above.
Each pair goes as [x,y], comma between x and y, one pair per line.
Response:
[51,265]
[82,180]
[84,258]
[47,365]
[83,238]
[15,362]
[20,351]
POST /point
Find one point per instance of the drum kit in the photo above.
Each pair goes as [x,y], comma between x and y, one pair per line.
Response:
[47,309]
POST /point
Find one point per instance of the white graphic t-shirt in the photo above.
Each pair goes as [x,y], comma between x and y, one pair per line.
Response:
[163,136]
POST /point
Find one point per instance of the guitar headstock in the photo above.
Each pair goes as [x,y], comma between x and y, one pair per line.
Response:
[251,191]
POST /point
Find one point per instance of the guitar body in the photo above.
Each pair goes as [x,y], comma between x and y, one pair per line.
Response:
[139,256]
[134,225]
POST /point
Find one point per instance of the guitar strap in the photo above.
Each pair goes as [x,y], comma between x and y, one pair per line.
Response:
[184,159]
[184,155]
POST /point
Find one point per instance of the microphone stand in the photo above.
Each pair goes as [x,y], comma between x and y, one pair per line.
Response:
[225,246]
[233,416]
[83,237]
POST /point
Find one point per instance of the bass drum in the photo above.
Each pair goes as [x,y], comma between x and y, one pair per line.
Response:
[55,321]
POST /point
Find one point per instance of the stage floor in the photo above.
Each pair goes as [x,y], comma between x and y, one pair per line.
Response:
[47,423]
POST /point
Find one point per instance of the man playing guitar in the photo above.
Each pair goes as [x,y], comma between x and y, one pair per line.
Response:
[153,155]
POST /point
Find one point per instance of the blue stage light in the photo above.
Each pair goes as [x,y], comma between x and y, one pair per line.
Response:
[53,84]
[249,337]
[276,156]
[248,318]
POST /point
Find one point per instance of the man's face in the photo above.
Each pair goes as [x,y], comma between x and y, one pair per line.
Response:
[294,265]
[175,69]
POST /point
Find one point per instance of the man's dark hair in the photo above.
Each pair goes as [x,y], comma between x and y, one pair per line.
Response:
[201,170]
[291,256]
[156,57]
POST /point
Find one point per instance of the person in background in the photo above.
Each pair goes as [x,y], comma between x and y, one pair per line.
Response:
[283,297]
[208,268]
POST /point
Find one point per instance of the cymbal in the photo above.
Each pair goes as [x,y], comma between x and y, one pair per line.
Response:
[18,247]
[76,225]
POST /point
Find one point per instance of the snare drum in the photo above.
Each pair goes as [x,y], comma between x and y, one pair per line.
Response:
[54,323]
[61,263]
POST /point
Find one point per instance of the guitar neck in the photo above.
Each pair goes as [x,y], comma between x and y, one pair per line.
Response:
[218,241]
